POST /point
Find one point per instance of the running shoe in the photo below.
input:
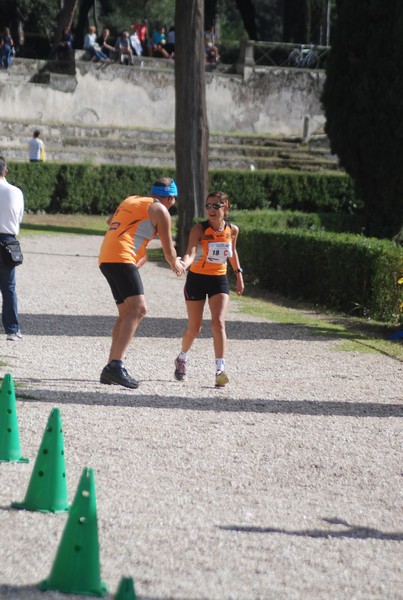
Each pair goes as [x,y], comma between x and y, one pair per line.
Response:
[13,337]
[221,379]
[180,369]
[118,376]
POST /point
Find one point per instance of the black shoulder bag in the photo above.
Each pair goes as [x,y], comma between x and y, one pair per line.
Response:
[12,254]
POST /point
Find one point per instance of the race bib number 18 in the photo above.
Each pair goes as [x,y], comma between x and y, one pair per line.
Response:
[218,252]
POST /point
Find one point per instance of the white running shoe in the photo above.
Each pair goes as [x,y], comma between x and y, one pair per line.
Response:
[13,337]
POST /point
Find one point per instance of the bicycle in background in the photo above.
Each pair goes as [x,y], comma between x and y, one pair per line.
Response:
[304,57]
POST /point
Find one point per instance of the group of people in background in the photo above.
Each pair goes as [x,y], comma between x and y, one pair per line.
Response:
[140,39]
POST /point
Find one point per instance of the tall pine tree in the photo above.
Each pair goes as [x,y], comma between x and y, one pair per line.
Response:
[363,102]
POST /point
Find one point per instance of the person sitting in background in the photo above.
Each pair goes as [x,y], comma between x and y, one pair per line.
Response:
[65,46]
[124,49]
[106,47]
[159,36]
[135,41]
[6,48]
[143,35]
[92,47]
[170,45]
[159,43]
[211,46]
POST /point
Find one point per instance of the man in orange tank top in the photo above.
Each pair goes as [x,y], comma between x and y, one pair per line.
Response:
[136,221]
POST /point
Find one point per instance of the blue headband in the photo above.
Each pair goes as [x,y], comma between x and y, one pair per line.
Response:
[165,190]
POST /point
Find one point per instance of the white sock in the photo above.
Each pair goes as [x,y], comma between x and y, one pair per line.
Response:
[183,356]
[220,364]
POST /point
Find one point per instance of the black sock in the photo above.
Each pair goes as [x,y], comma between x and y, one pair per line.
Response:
[116,364]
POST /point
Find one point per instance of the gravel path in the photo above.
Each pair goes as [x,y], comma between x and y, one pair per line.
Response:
[286,484]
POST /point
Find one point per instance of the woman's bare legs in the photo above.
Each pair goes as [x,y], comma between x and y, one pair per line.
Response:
[218,308]
[195,316]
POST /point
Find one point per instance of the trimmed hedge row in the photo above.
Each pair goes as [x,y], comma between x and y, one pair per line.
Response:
[312,266]
[286,219]
[282,190]
[83,188]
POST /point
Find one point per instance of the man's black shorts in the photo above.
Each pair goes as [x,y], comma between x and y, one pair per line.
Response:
[197,287]
[124,280]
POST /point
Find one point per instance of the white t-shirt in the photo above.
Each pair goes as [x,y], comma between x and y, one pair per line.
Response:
[136,44]
[11,208]
[35,149]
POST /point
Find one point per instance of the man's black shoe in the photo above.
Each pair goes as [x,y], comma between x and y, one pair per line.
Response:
[118,376]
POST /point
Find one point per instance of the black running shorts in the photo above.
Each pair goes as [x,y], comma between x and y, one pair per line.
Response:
[124,280]
[197,287]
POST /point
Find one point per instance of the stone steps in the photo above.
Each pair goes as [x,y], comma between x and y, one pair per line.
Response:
[108,145]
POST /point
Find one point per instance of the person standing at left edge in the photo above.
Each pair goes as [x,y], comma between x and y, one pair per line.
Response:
[11,214]
[135,223]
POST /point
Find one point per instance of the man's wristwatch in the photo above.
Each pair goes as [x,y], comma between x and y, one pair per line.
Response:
[238,270]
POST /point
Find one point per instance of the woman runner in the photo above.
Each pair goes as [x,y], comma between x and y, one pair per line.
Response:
[211,244]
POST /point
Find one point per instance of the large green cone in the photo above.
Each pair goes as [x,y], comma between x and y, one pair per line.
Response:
[10,450]
[47,489]
[76,569]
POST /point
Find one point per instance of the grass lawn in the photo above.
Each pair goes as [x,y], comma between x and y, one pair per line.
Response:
[54,224]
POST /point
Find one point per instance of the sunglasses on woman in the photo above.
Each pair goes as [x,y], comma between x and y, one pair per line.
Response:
[214,206]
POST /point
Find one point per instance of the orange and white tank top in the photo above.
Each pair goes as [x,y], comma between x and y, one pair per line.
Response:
[129,233]
[213,250]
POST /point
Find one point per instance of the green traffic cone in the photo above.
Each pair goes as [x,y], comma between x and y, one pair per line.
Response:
[126,589]
[76,568]
[47,489]
[10,450]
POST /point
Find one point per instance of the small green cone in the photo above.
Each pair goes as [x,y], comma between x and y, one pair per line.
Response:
[76,569]
[126,589]
[47,489]
[10,450]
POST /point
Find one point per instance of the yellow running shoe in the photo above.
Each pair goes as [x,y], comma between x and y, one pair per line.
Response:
[221,379]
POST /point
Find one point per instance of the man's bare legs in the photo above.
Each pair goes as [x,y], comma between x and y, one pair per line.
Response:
[131,311]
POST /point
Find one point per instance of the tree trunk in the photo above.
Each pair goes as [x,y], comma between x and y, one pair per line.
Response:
[65,19]
[191,127]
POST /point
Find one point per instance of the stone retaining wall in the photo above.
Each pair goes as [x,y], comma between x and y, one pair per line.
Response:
[272,100]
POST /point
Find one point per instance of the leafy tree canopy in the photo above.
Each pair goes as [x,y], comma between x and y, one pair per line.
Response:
[364,109]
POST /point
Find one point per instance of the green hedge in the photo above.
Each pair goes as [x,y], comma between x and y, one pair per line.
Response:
[286,219]
[80,188]
[344,272]
[85,188]
[307,192]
